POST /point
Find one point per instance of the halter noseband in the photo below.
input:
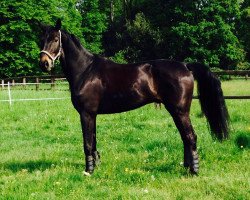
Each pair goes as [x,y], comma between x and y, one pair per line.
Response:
[59,52]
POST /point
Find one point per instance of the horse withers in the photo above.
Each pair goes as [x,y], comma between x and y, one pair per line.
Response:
[101,86]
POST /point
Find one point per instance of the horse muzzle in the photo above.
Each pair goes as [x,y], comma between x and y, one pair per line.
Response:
[45,63]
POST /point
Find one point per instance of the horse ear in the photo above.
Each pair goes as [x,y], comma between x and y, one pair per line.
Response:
[58,24]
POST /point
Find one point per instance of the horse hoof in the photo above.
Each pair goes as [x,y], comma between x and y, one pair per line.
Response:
[87,173]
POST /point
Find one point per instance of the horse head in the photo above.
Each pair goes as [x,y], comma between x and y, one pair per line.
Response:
[51,47]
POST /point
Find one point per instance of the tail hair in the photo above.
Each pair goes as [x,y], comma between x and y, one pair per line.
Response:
[211,100]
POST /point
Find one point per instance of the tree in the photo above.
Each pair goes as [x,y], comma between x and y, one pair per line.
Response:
[215,32]
[94,23]
[244,32]
[193,30]
[208,35]
[19,33]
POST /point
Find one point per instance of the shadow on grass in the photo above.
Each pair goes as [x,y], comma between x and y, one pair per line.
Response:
[167,167]
[243,140]
[41,165]
[170,168]
[30,165]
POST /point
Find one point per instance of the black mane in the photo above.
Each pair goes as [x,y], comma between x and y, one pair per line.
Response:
[76,41]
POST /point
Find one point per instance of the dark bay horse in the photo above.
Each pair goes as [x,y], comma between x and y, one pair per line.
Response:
[100,86]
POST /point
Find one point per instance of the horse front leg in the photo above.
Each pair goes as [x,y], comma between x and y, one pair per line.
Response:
[88,122]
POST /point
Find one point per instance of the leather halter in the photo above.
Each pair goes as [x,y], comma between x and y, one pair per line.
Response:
[53,58]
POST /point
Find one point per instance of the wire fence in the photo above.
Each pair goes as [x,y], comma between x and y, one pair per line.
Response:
[11,87]
[37,82]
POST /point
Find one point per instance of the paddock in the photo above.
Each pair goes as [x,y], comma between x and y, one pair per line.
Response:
[41,151]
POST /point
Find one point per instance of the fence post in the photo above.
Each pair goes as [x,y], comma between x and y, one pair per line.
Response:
[52,82]
[246,77]
[9,93]
[24,82]
[2,84]
[37,83]
[13,82]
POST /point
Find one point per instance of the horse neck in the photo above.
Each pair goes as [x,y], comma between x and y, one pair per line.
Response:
[74,61]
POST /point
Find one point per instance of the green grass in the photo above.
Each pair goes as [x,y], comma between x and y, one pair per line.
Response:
[41,152]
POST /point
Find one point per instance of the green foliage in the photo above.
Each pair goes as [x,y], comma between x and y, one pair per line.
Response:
[142,39]
[210,42]
[243,66]
[211,37]
[244,27]
[94,23]
[214,32]
[119,57]
[204,31]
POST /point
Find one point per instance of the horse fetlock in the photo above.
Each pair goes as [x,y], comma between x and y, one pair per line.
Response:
[187,161]
[97,158]
[187,156]
[194,168]
[89,164]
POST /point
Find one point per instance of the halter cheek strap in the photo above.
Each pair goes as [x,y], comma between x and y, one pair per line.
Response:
[53,58]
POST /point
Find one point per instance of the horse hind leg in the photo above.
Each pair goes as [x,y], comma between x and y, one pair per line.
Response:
[189,138]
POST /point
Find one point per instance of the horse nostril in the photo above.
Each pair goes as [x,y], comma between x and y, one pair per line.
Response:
[46,64]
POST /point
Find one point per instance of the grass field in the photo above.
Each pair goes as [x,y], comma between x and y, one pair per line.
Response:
[141,151]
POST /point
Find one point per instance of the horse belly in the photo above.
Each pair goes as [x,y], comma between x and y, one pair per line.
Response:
[121,102]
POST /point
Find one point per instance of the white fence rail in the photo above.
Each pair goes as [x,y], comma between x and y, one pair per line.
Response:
[37,81]
[10,100]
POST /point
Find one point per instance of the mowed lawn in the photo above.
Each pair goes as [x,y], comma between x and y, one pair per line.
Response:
[141,152]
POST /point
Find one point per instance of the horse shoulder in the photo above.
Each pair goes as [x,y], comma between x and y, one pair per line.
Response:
[89,95]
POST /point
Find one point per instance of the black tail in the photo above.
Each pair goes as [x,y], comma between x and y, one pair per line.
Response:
[211,99]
